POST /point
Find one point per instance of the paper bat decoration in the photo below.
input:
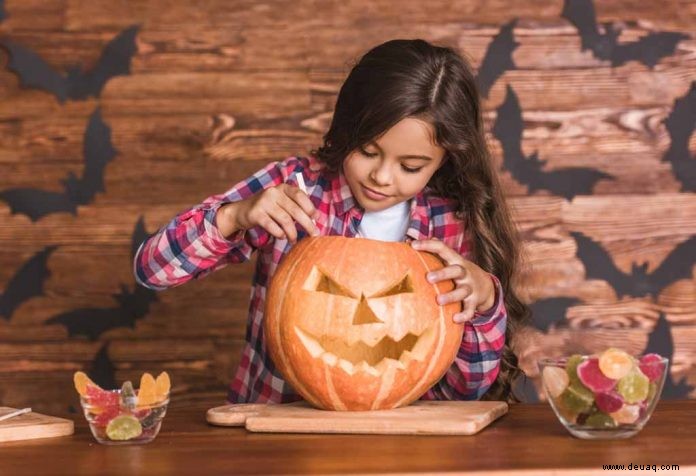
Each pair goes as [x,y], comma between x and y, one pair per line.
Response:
[26,283]
[568,182]
[34,72]
[680,124]
[660,341]
[97,152]
[648,49]
[498,58]
[131,306]
[599,265]
[551,312]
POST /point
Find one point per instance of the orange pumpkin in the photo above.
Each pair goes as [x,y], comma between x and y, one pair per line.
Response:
[353,324]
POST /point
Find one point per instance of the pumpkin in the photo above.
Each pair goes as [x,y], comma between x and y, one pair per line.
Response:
[353,323]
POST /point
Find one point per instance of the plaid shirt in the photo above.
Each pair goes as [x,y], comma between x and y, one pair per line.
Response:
[191,246]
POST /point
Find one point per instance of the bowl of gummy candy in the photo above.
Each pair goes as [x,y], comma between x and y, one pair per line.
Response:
[125,415]
[604,396]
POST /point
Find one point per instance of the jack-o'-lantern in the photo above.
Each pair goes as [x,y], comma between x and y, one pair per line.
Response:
[353,323]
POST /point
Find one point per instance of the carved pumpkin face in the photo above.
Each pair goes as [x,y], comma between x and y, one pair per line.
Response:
[352,323]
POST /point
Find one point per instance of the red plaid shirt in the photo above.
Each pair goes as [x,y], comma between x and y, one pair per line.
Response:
[191,246]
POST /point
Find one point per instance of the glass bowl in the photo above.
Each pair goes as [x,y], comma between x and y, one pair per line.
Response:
[591,405]
[113,423]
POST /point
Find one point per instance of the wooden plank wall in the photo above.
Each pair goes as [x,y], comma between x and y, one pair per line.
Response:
[219,88]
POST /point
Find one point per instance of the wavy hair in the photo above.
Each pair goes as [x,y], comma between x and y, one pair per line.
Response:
[412,78]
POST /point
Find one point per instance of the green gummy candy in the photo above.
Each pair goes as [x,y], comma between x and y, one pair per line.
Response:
[600,420]
[577,398]
[572,367]
[634,387]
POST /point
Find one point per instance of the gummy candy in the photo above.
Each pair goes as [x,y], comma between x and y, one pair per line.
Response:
[147,394]
[600,420]
[106,416]
[608,402]
[128,398]
[571,367]
[81,380]
[634,387]
[163,384]
[154,417]
[577,398]
[627,414]
[124,427]
[593,378]
[99,397]
[556,380]
[651,365]
[615,363]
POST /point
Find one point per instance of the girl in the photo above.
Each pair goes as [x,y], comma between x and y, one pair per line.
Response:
[405,159]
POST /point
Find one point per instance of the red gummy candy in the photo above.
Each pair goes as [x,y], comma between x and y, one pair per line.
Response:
[106,416]
[608,402]
[592,377]
[101,398]
[651,365]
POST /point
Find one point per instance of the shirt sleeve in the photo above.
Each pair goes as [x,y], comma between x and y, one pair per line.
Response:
[477,363]
[191,246]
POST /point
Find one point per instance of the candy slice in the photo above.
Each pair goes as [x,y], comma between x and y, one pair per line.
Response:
[556,380]
[615,363]
[627,414]
[163,384]
[99,397]
[107,415]
[593,378]
[128,398]
[609,402]
[600,420]
[124,427]
[651,365]
[81,380]
[571,367]
[634,387]
[577,398]
[147,394]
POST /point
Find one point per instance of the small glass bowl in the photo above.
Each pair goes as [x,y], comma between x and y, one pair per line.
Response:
[576,405]
[114,424]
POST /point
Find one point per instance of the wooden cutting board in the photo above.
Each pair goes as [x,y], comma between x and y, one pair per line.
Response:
[33,425]
[419,418]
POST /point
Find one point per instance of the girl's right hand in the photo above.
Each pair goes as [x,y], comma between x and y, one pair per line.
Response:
[276,209]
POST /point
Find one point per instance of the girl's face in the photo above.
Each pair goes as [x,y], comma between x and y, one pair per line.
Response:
[395,166]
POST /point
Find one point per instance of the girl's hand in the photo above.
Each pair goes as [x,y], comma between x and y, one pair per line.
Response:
[473,286]
[276,209]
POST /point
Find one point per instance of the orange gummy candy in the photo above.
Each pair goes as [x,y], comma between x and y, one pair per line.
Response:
[163,385]
[81,381]
[147,394]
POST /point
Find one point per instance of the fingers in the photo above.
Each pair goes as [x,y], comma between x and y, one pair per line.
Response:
[439,248]
[453,272]
[301,209]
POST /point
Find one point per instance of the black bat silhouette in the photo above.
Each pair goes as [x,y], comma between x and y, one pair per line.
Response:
[97,152]
[102,370]
[680,124]
[498,58]
[568,182]
[26,283]
[132,305]
[34,72]
[599,265]
[605,46]
[660,342]
[547,313]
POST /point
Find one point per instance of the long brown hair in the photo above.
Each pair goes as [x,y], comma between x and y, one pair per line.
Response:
[412,78]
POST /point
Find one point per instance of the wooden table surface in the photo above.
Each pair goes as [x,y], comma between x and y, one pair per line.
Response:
[528,440]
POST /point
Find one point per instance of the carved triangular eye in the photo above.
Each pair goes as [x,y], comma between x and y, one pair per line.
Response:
[328,285]
[405,285]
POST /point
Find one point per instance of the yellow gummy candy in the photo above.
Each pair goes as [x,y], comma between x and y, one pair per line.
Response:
[163,385]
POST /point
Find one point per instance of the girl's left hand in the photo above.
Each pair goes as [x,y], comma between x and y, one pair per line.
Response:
[473,286]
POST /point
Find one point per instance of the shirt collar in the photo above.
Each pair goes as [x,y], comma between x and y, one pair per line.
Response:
[420,226]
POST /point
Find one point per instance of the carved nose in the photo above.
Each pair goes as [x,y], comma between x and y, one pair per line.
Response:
[363,314]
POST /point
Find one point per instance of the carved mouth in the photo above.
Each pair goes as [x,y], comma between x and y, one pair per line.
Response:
[373,359]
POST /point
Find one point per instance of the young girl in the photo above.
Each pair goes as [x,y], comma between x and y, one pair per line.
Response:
[405,159]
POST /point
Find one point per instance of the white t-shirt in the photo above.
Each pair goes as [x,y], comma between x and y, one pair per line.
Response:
[389,224]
